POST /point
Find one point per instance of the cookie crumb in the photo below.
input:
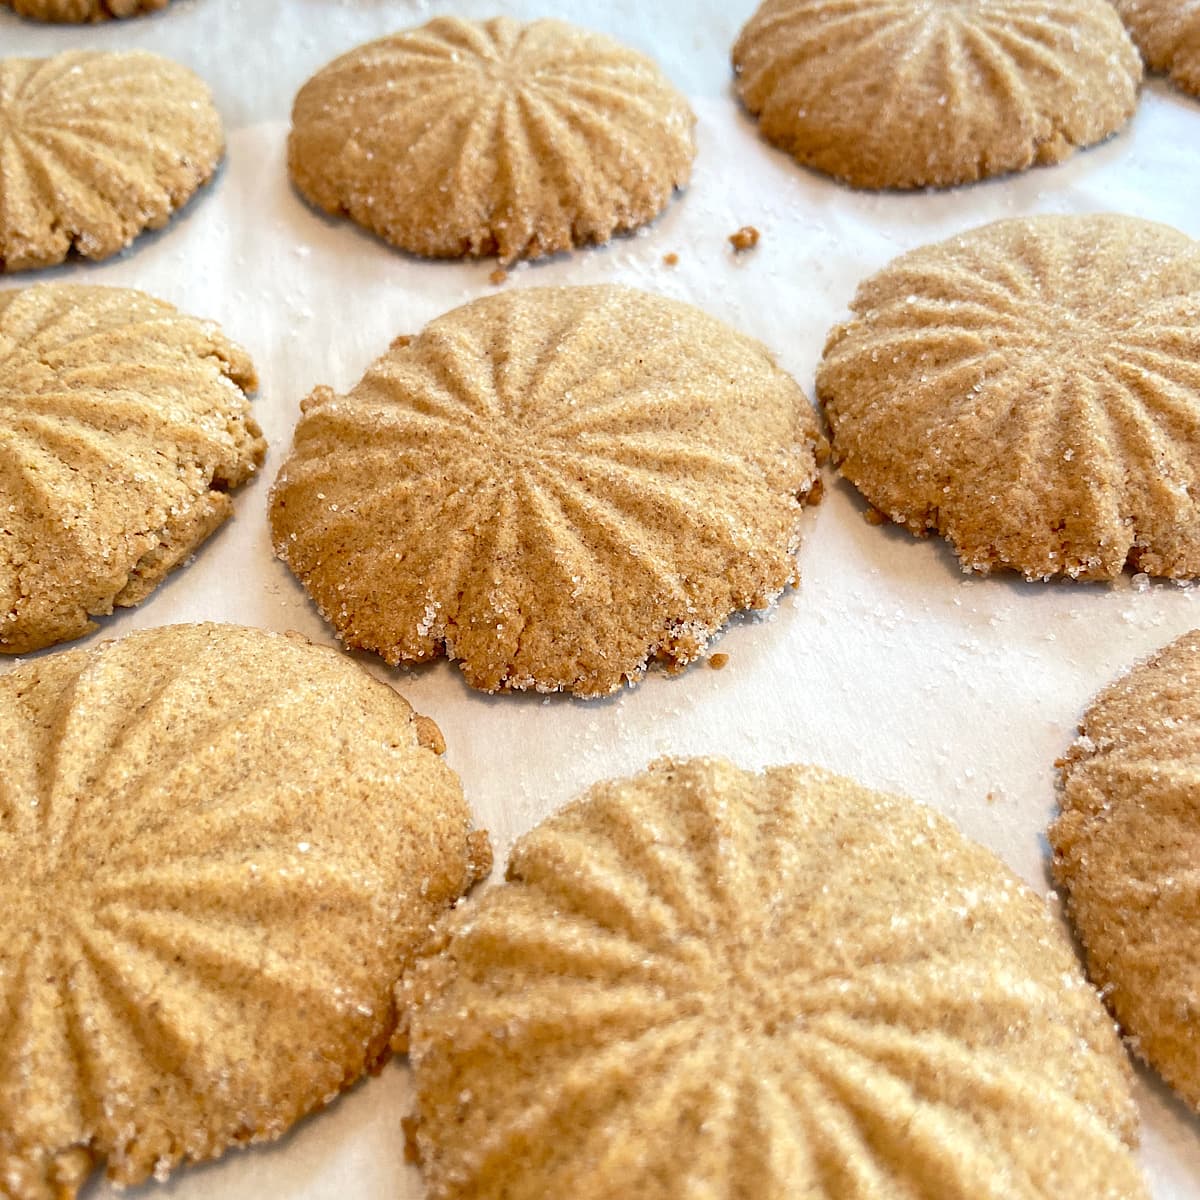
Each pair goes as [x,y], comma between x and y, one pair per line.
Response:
[718,662]
[874,517]
[670,260]
[412,1152]
[746,238]
[498,276]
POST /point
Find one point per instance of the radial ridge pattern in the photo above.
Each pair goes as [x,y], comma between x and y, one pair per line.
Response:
[123,427]
[917,93]
[552,486]
[702,982]
[95,148]
[461,138]
[1031,389]
[1126,847]
[219,849]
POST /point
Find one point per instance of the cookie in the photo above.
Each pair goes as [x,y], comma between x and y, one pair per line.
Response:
[1167,33]
[77,11]
[705,982]
[1030,390]
[551,486]
[463,138]
[901,94]
[1125,851]
[220,849]
[94,149]
[124,426]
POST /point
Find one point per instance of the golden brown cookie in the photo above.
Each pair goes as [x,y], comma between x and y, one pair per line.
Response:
[78,11]
[463,138]
[705,982]
[1031,390]
[124,425]
[919,93]
[1167,32]
[552,486]
[95,148]
[1126,846]
[219,849]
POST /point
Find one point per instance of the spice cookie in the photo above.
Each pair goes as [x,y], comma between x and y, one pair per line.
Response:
[704,982]
[552,486]
[920,93]
[463,138]
[1167,32]
[95,148]
[124,426]
[1031,390]
[1126,846]
[78,11]
[219,849]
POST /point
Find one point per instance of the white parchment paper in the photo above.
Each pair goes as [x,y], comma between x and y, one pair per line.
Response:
[887,663]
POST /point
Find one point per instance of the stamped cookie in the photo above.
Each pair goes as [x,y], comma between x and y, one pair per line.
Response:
[1167,32]
[905,94]
[705,982]
[94,149]
[1126,845]
[552,486]
[124,425]
[78,11]
[219,849]
[1031,390]
[463,138]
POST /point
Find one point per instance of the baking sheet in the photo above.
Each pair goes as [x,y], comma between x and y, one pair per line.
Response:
[887,663]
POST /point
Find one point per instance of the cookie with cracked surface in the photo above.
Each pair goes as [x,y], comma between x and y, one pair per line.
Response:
[124,425]
[1167,32]
[702,981]
[94,149]
[921,93]
[219,850]
[552,486]
[462,138]
[1030,390]
[81,11]
[1126,843]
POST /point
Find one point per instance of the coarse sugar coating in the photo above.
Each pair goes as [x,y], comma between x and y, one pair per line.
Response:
[1126,845]
[94,149]
[219,850]
[1030,390]
[706,982]
[921,93]
[124,425]
[465,138]
[552,486]
[80,11]
[1167,32]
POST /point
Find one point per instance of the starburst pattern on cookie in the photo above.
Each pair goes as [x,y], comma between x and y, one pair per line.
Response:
[219,848]
[94,149]
[123,427]
[80,11]
[1125,853]
[917,93]
[551,486]
[1167,32]
[461,138]
[1031,390]
[701,981]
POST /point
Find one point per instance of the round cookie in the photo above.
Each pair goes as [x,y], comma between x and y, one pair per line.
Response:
[1125,851]
[552,486]
[219,849]
[1031,390]
[78,11]
[921,93]
[1167,32]
[94,149]
[462,138]
[705,982]
[124,425]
